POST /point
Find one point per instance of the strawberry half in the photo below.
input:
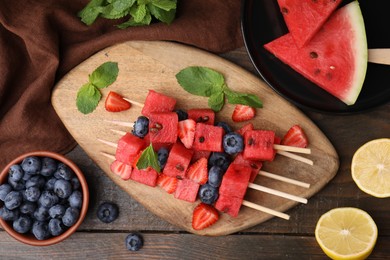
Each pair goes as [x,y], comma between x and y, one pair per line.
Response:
[169,184]
[204,216]
[115,102]
[121,169]
[198,171]
[295,136]
[186,132]
[243,113]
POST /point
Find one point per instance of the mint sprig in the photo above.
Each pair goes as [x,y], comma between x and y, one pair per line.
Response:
[148,158]
[141,12]
[89,94]
[206,82]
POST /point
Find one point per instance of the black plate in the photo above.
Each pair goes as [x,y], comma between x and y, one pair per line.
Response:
[262,22]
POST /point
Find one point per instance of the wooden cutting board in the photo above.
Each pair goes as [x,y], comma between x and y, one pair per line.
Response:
[153,65]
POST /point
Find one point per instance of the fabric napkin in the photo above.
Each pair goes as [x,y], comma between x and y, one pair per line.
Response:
[42,40]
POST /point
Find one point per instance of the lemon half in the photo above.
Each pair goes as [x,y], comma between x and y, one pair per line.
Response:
[346,233]
[370,168]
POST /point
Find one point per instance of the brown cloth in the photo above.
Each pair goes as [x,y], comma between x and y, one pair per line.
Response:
[41,40]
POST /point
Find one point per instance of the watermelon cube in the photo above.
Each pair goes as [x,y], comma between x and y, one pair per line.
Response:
[228,204]
[202,115]
[157,102]
[179,159]
[200,154]
[235,181]
[277,140]
[208,138]
[186,190]
[255,165]
[129,147]
[259,145]
[146,176]
[163,128]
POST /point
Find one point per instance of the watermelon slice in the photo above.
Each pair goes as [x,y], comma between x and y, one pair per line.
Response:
[305,17]
[336,57]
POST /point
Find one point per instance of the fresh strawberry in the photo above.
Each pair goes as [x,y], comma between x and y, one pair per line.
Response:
[121,169]
[204,216]
[198,171]
[243,113]
[245,128]
[169,184]
[115,102]
[186,132]
[295,136]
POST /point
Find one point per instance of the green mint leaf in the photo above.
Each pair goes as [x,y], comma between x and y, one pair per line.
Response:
[146,21]
[161,14]
[104,75]
[216,101]
[200,81]
[88,98]
[91,11]
[148,158]
[165,5]
[117,9]
[242,98]
[138,12]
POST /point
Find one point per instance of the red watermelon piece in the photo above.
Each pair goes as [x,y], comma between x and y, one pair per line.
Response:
[202,115]
[129,147]
[146,176]
[259,145]
[157,102]
[255,165]
[228,204]
[163,128]
[336,57]
[187,190]
[235,181]
[305,17]
[208,138]
[179,159]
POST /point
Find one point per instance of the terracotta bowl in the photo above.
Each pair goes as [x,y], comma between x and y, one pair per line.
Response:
[29,238]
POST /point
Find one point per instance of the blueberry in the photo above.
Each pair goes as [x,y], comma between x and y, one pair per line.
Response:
[17,185]
[31,164]
[49,166]
[107,212]
[57,211]
[13,200]
[162,156]
[9,215]
[71,216]
[23,224]
[40,230]
[75,183]
[48,199]
[4,190]
[134,242]
[62,188]
[215,176]
[233,143]
[15,172]
[181,114]
[41,214]
[56,227]
[64,171]
[32,194]
[219,159]
[27,176]
[208,194]
[49,185]
[141,127]
[37,181]
[76,199]
[28,208]
[225,127]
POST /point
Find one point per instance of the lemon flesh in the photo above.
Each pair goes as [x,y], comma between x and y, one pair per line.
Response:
[346,233]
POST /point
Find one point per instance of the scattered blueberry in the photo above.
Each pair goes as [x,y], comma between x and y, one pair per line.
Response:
[57,211]
[76,199]
[40,230]
[48,199]
[36,180]
[181,114]
[233,143]
[15,172]
[31,164]
[162,156]
[28,208]
[65,172]
[219,159]
[215,176]
[4,190]
[13,200]
[49,166]
[23,224]
[208,194]
[141,127]
[56,227]
[32,194]
[107,212]
[134,242]
[62,188]
[9,215]
[41,214]
[71,216]
[225,127]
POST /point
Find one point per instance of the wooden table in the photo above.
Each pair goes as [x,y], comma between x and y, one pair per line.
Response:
[274,239]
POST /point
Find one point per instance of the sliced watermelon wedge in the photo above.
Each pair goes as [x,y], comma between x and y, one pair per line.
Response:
[305,17]
[335,59]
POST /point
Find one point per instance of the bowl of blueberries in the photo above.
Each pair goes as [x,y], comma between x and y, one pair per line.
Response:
[43,198]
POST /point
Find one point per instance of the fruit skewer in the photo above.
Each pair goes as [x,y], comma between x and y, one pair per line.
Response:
[244,202]
[280,149]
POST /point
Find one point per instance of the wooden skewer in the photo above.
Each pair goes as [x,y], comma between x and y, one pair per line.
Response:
[138,104]
[284,179]
[295,157]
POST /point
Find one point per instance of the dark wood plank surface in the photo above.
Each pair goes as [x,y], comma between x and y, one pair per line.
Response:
[274,239]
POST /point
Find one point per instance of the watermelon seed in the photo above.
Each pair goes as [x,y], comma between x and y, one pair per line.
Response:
[313,55]
[329,76]
[284,10]
[179,177]
[254,166]
[156,128]
[202,119]
[251,141]
[317,71]
[179,167]
[201,139]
